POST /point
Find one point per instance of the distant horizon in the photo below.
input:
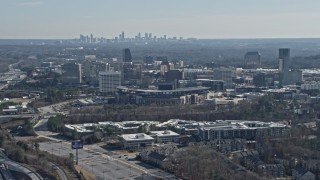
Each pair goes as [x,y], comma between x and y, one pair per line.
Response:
[185,38]
[204,19]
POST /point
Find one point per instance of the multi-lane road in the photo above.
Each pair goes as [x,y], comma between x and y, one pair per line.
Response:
[101,165]
[11,75]
[18,167]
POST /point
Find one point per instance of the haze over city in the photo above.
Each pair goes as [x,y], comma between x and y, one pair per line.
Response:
[45,19]
[159,90]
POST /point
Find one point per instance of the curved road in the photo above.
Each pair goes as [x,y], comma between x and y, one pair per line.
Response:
[12,165]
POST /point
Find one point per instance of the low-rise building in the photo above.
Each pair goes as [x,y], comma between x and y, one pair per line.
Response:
[302,174]
[136,141]
[164,136]
[271,170]
[230,129]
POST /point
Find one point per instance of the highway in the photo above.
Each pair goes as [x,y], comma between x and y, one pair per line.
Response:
[18,167]
[101,165]
[10,75]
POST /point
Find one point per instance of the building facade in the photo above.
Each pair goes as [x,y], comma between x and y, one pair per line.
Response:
[165,136]
[127,55]
[284,66]
[71,73]
[252,60]
[109,81]
[136,141]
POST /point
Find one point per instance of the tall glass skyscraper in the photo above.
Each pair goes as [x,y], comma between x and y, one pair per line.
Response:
[284,65]
[127,55]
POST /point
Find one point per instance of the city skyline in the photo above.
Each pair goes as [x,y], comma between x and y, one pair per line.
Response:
[43,19]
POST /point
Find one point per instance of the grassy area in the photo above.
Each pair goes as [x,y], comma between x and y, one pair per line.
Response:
[12,124]
[86,174]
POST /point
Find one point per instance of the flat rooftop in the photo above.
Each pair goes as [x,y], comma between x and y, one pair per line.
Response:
[164,133]
[137,137]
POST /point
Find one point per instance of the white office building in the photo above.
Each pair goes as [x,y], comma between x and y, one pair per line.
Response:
[109,81]
[136,141]
[164,136]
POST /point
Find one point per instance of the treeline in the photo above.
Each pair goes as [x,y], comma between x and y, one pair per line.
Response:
[147,113]
[266,108]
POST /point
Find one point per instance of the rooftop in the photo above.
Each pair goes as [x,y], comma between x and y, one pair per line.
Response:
[164,133]
[136,137]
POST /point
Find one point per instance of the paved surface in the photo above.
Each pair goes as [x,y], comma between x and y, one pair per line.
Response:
[59,171]
[93,158]
[101,165]
[10,75]
[18,167]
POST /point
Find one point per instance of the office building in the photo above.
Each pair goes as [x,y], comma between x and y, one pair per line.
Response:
[214,85]
[148,60]
[295,76]
[165,136]
[71,73]
[127,55]
[136,141]
[174,75]
[224,74]
[252,60]
[131,74]
[230,129]
[165,67]
[284,66]
[91,71]
[146,96]
[259,80]
[109,81]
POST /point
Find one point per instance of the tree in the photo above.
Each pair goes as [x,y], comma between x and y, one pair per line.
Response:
[75,134]
[28,129]
[71,156]
[56,124]
[36,146]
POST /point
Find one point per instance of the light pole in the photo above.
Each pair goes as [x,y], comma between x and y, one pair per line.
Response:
[60,147]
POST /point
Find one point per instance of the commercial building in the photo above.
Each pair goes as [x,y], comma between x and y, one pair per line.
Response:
[224,74]
[165,67]
[252,60]
[284,66]
[136,141]
[71,73]
[127,55]
[146,96]
[91,71]
[182,127]
[109,81]
[214,85]
[249,130]
[165,136]
[131,74]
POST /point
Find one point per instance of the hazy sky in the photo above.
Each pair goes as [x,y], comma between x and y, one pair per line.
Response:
[187,18]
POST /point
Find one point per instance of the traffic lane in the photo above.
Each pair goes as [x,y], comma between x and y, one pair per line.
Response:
[106,166]
[109,170]
[129,159]
[92,161]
